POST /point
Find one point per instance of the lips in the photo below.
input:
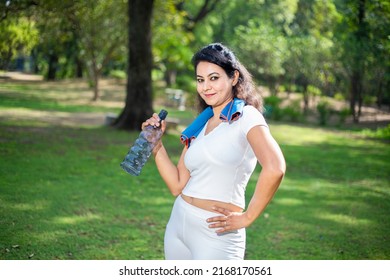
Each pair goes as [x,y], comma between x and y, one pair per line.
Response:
[209,95]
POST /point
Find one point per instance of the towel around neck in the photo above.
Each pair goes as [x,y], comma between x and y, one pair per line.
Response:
[231,112]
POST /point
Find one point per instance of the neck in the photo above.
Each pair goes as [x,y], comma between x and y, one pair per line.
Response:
[217,109]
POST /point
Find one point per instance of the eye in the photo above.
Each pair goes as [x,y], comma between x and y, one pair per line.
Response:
[199,80]
[214,78]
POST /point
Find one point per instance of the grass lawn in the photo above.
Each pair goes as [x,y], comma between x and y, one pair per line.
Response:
[64,196]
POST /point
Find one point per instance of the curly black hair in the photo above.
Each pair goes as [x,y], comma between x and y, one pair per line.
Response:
[222,56]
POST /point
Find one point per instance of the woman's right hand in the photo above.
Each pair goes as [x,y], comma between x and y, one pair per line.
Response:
[154,121]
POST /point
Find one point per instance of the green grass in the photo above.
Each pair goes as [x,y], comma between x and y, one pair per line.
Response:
[334,202]
[64,196]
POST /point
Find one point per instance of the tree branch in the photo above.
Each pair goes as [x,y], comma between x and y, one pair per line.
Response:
[207,7]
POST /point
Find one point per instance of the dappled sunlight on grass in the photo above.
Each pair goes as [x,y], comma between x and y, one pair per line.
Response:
[33,206]
[76,219]
[344,219]
[289,201]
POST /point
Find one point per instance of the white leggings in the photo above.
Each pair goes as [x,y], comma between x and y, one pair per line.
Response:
[188,236]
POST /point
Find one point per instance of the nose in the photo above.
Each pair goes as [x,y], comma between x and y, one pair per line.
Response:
[206,86]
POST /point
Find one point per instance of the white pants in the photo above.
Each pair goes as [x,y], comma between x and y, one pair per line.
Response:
[188,236]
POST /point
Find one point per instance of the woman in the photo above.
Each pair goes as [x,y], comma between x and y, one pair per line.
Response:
[222,147]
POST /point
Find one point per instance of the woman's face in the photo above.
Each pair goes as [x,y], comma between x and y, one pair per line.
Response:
[213,84]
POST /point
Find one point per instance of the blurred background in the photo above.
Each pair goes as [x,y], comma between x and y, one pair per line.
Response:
[78,77]
[327,60]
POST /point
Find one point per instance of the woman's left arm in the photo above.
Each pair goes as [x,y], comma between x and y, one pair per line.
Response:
[273,165]
[271,159]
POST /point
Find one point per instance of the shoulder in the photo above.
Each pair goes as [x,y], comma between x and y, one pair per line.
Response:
[251,117]
[249,109]
[250,112]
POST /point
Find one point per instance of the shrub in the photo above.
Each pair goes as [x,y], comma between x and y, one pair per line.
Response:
[369,100]
[339,96]
[313,91]
[272,107]
[324,110]
[117,74]
[293,111]
[380,133]
[343,114]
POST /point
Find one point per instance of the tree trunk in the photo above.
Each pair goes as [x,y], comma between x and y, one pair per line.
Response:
[379,98]
[53,65]
[96,95]
[305,99]
[139,105]
[170,77]
[358,63]
[355,93]
[79,67]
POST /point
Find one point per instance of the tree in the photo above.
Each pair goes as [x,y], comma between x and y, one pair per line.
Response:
[355,53]
[377,72]
[363,37]
[138,105]
[171,42]
[175,26]
[262,49]
[99,25]
[311,61]
[169,52]
[57,40]
[194,17]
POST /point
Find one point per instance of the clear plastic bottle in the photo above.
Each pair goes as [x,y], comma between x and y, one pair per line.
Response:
[140,152]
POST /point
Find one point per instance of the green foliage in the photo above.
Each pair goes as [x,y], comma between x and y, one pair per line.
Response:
[369,100]
[365,47]
[17,36]
[117,74]
[100,26]
[186,83]
[293,112]
[272,107]
[344,113]
[379,133]
[171,42]
[300,43]
[313,91]
[339,96]
[262,47]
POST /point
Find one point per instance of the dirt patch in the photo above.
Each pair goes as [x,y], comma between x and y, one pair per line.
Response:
[19,76]
[77,93]
[53,117]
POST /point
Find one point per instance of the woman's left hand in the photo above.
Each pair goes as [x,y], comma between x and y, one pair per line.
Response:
[229,221]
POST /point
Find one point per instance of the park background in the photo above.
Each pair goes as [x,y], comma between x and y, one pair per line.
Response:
[78,77]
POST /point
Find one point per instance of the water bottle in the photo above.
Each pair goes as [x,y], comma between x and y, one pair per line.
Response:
[143,147]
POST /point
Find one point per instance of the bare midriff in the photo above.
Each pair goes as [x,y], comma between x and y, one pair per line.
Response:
[208,205]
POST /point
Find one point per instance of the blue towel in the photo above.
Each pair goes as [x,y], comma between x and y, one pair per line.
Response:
[231,112]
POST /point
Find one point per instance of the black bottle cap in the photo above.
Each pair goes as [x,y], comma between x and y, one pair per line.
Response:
[163,114]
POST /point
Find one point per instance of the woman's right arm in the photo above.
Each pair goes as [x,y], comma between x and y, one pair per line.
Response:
[175,177]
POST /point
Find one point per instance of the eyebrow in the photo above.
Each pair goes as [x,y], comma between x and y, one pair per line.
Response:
[213,73]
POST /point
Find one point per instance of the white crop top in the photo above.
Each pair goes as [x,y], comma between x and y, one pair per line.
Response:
[221,162]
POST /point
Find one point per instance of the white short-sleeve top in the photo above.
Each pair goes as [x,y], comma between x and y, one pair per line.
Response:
[221,162]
